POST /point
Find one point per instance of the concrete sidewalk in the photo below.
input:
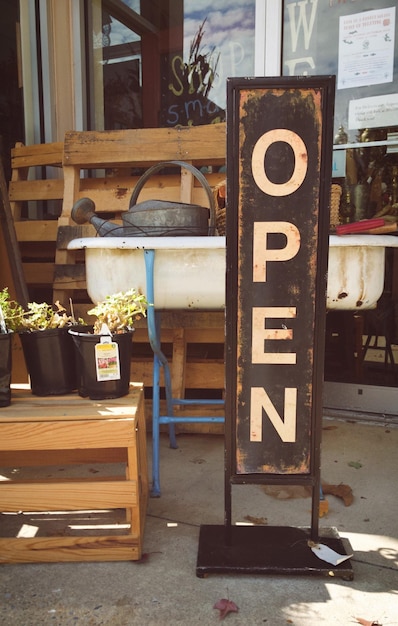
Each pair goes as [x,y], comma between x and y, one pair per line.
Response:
[163,588]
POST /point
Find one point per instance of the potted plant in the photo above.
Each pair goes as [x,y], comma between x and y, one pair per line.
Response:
[9,312]
[104,356]
[48,348]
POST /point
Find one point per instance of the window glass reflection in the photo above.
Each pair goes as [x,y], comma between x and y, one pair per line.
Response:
[356,41]
[171,67]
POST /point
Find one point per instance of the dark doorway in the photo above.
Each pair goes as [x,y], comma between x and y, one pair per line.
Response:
[11,95]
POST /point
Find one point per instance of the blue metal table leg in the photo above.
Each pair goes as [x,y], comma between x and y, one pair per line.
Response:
[153,319]
[155,491]
[158,362]
[162,362]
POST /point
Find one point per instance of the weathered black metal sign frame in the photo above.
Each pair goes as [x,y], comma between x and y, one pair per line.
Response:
[279,150]
[279,163]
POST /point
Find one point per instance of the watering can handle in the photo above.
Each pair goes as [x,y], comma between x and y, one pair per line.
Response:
[198,175]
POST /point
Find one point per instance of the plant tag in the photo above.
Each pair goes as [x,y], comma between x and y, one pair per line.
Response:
[327,554]
[107,360]
[3,327]
[105,330]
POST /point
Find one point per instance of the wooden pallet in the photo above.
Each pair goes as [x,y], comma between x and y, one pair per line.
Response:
[36,182]
[69,430]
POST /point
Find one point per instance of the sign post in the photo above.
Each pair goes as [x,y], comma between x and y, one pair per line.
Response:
[279,164]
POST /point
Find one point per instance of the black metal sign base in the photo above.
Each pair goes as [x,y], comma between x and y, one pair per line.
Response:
[268,550]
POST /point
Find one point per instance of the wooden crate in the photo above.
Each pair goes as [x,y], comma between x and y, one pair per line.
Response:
[69,430]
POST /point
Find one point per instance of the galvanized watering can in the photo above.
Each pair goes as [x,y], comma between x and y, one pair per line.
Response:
[154,218]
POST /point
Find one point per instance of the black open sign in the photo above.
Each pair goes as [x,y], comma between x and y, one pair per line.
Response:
[277,243]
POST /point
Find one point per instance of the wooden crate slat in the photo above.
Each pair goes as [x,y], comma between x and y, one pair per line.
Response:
[200,375]
[68,549]
[26,407]
[37,230]
[205,375]
[70,276]
[39,273]
[24,190]
[66,435]
[65,234]
[27,458]
[68,496]
[37,154]
[201,145]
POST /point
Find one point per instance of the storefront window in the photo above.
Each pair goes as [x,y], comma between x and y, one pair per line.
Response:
[114,53]
[218,41]
[357,41]
[163,62]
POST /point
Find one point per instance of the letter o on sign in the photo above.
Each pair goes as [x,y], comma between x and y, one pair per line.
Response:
[300,165]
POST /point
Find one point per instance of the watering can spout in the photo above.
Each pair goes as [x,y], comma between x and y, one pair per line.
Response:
[83,211]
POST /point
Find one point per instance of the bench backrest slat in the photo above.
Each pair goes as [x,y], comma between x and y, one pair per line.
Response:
[201,145]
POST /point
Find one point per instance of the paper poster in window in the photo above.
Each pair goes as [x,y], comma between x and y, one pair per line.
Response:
[366,48]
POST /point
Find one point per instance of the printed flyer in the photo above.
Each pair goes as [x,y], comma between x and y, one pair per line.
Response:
[366,48]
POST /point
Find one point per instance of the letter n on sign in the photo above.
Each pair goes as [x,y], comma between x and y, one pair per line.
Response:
[279,166]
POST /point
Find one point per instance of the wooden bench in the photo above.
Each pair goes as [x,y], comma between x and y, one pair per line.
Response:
[72,431]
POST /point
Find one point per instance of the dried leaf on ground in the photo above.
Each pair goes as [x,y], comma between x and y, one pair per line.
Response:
[355,464]
[367,622]
[340,491]
[257,521]
[225,606]
[287,492]
[145,557]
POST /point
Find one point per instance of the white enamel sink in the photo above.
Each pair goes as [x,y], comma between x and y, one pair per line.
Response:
[189,272]
[356,270]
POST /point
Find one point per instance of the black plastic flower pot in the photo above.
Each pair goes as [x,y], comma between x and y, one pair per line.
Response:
[50,361]
[103,368]
[5,368]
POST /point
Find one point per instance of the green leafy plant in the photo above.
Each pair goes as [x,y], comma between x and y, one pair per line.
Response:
[41,316]
[38,315]
[11,310]
[119,311]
